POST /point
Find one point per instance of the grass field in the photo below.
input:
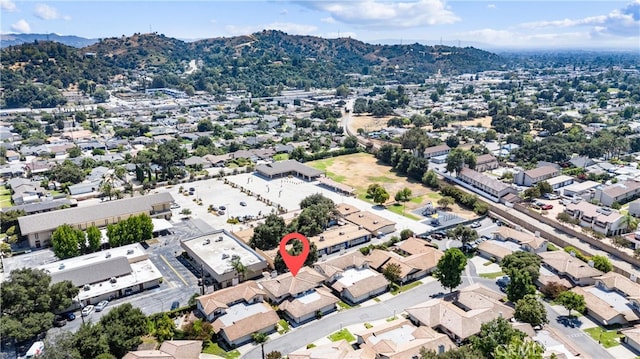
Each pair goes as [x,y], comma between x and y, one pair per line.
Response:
[491,275]
[214,348]
[359,170]
[281,157]
[5,197]
[406,287]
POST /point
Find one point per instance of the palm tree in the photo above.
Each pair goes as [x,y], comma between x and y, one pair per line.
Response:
[260,338]
[240,268]
[631,222]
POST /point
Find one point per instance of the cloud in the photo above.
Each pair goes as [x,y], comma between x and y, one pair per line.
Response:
[623,22]
[328,20]
[392,14]
[22,27]
[46,12]
[491,6]
[8,6]
[288,27]
[284,12]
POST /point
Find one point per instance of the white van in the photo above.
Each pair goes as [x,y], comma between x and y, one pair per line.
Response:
[35,351]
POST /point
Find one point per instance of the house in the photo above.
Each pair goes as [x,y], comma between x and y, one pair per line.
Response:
[25,191]
[486,162]
[581,162]
[412,267]
[620,192]
[340,237]
[237,312]
[532,177]
[634,208]
[434,151]
[215,253]
[558,182]
[85,187]
[46,205]
[486,184]
[196,161]
[461,313]
[376,225]
[338,350]
[603,220]
[170,349]
[12,155]
[309,305]
[608,307]
[580,189]
[492,250]
[349,275]
[413,245]
[401,339]
[568,266]
[39,227]
[529,242]
[632,337]
[287,285]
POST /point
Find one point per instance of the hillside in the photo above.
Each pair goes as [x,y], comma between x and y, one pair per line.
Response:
[7,40]
[263,63]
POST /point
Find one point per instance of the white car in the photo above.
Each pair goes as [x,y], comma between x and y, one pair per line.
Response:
[475,225]
[100,306]
[87,310]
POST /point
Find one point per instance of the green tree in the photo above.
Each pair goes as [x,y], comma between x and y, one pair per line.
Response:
[572,301]
[123,326]
[531,193]
[406,233]
[165,327]
[493,334]
[268,235]
[522,261]
[274,355]
[94,237]
[519,286]
[430,179]
[463,233]
[380,196]
[458,158]
[61,295]
[60,346]
[350,142]
[91,340]
[403,195]
[450,268]
[519,349]
[74,152]
[445,202]
[260,338]
[66,241]
[296,249]
[544,187]
[530,310]
[602,263]
[392,272]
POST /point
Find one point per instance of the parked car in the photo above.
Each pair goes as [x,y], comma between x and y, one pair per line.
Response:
[485,237]
[243,204]
[550,196]
[539,203]
[175,206]
[59,321]
[87,310]
[175,305]
[475,224]
[100,306]
[223,208]
[547,207]
[69,316]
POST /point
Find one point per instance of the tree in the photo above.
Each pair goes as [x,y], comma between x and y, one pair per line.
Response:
[27,303]
[165,327]
[350,142]
[392,272]
[530,310]
[380,195]
[61,295]
[430,179]
[94,238]
[452,141]
[519,349]
[450,267]
[630,222]
[123,326]
[522,261]
[274,355]
[268,235]
[260,338]
[60,346]
[406,233]
[531,193]
[66,241]
[493,334]
[91,341]
[458,158]
[544,187]
[572,301]
[519,286]
[403,195]
[602,263]
[463,234]
[445,202]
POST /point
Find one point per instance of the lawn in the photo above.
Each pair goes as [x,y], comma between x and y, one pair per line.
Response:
[214,348]
[406,287]
[342,334]
[281,157]
[284,326]
[608,338]
[399,209]
[491,275]
[344,305]
[5,197]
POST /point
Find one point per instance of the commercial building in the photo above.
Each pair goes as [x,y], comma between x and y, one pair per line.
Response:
[39,227]
[216,253]
[532,177]
[286,168]
[492,186]
[107,274]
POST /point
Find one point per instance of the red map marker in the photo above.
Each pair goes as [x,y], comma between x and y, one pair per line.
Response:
[294,263]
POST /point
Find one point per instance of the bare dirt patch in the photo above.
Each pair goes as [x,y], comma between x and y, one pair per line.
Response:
[483,121]
[359,170]
[368,123]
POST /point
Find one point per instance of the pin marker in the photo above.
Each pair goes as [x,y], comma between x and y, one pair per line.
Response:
[294,263]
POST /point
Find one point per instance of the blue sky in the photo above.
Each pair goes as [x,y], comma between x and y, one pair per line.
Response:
[516,23]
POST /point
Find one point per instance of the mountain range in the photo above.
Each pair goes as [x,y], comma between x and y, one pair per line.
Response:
[7,40]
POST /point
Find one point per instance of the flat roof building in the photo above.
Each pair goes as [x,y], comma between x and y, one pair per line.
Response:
[216,251]
[288,167]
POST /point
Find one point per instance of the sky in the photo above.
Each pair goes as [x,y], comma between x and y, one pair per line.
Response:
[533,24]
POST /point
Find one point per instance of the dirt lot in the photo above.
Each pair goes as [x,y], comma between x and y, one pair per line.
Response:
[361,169]
[484,121]
[368,123]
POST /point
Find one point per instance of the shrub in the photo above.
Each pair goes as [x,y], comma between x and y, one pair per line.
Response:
[552,290]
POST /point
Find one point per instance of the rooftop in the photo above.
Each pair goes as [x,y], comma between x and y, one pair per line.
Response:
[287,166]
